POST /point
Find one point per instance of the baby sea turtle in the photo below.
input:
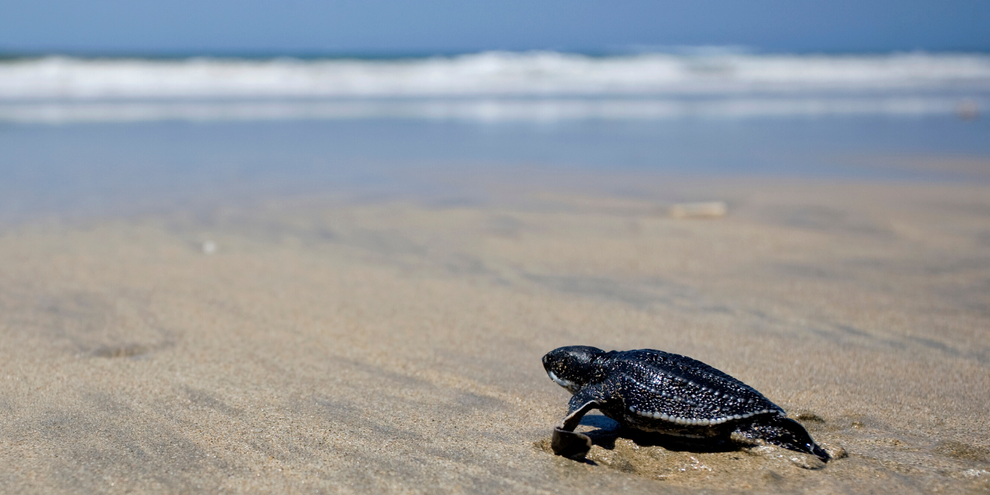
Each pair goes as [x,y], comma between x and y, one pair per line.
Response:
[666,393]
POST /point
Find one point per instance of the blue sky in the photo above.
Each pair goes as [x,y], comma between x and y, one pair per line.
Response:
[444,26]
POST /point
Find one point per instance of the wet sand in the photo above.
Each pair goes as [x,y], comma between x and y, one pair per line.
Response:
[394,345]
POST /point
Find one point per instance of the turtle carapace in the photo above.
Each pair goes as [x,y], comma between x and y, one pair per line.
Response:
[666,393]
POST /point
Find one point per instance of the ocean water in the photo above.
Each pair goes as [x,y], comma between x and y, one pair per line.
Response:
[492,86]
[95,136]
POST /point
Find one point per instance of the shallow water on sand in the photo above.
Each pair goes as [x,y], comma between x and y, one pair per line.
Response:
[86,169]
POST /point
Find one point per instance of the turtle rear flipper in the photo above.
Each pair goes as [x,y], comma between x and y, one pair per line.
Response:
[783,432]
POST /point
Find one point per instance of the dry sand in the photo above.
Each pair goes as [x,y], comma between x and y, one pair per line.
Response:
[329,346]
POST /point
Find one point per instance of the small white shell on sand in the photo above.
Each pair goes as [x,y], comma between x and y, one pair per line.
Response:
[707,209]
[209,247]
[807,462]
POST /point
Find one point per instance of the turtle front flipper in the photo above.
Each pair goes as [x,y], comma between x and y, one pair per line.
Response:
[565,440]
[783,432]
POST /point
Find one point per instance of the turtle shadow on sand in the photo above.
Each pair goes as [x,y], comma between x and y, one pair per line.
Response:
[607,431]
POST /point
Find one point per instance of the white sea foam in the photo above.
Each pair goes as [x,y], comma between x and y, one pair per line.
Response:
[490,86]
[550,110]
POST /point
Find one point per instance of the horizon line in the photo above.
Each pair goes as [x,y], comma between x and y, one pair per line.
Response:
[7,54]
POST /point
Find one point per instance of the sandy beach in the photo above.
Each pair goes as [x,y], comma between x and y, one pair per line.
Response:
[393,345]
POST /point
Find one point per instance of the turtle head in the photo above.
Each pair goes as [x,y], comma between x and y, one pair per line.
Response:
[573,367]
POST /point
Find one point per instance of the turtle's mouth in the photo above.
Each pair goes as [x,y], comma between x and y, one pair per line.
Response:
[569,385]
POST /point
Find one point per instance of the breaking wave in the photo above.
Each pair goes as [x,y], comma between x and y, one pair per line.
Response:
[491,86]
